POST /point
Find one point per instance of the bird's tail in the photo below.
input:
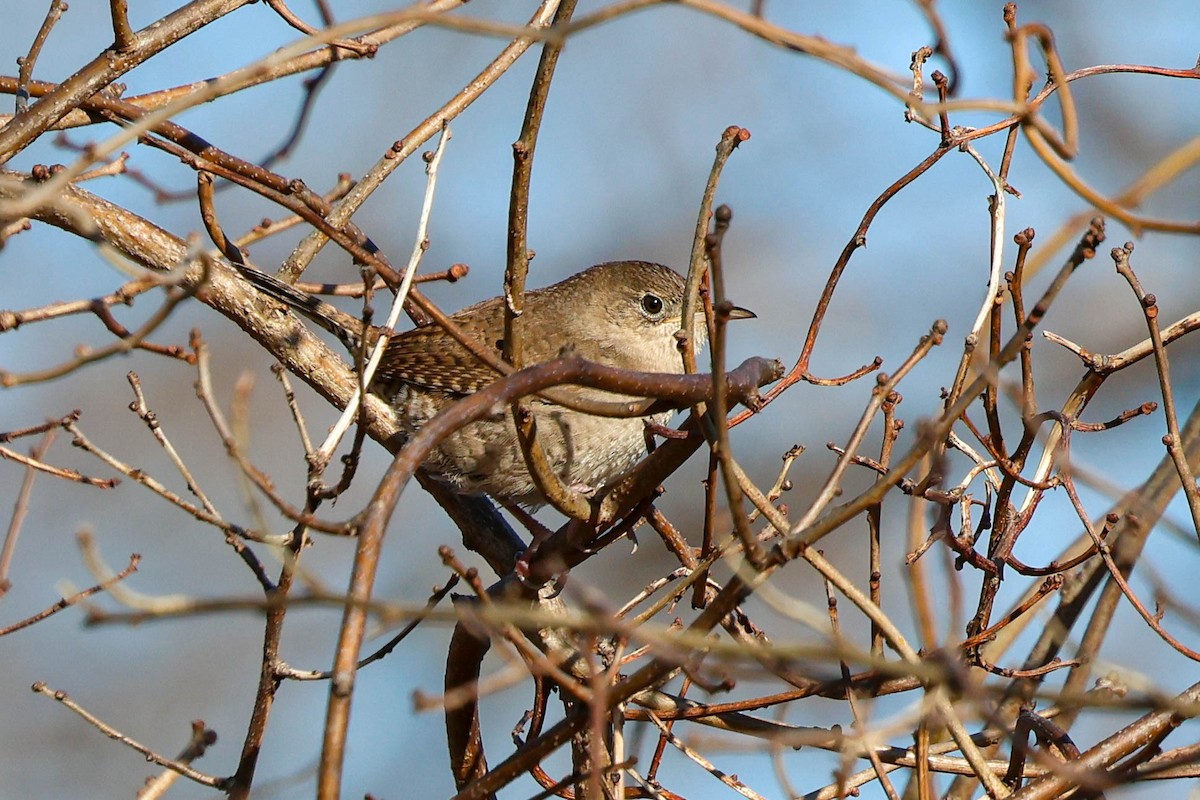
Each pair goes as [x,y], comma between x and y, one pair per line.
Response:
[347,328]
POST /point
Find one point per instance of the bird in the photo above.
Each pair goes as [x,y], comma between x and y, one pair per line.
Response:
[622,314]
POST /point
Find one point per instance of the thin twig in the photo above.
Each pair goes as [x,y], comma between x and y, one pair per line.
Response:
[112,733]
[67,602]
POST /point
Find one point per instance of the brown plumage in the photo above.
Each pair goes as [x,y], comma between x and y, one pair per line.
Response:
[623,314]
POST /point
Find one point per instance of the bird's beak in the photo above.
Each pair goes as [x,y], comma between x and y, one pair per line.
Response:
[737,312]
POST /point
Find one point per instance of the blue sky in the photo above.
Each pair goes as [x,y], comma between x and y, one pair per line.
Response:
[635,111]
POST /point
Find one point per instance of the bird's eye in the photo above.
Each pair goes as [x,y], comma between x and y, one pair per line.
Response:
[652,304]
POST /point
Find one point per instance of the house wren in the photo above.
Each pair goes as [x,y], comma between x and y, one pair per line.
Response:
[624,314]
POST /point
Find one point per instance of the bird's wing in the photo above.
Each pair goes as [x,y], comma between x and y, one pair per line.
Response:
[430,358]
